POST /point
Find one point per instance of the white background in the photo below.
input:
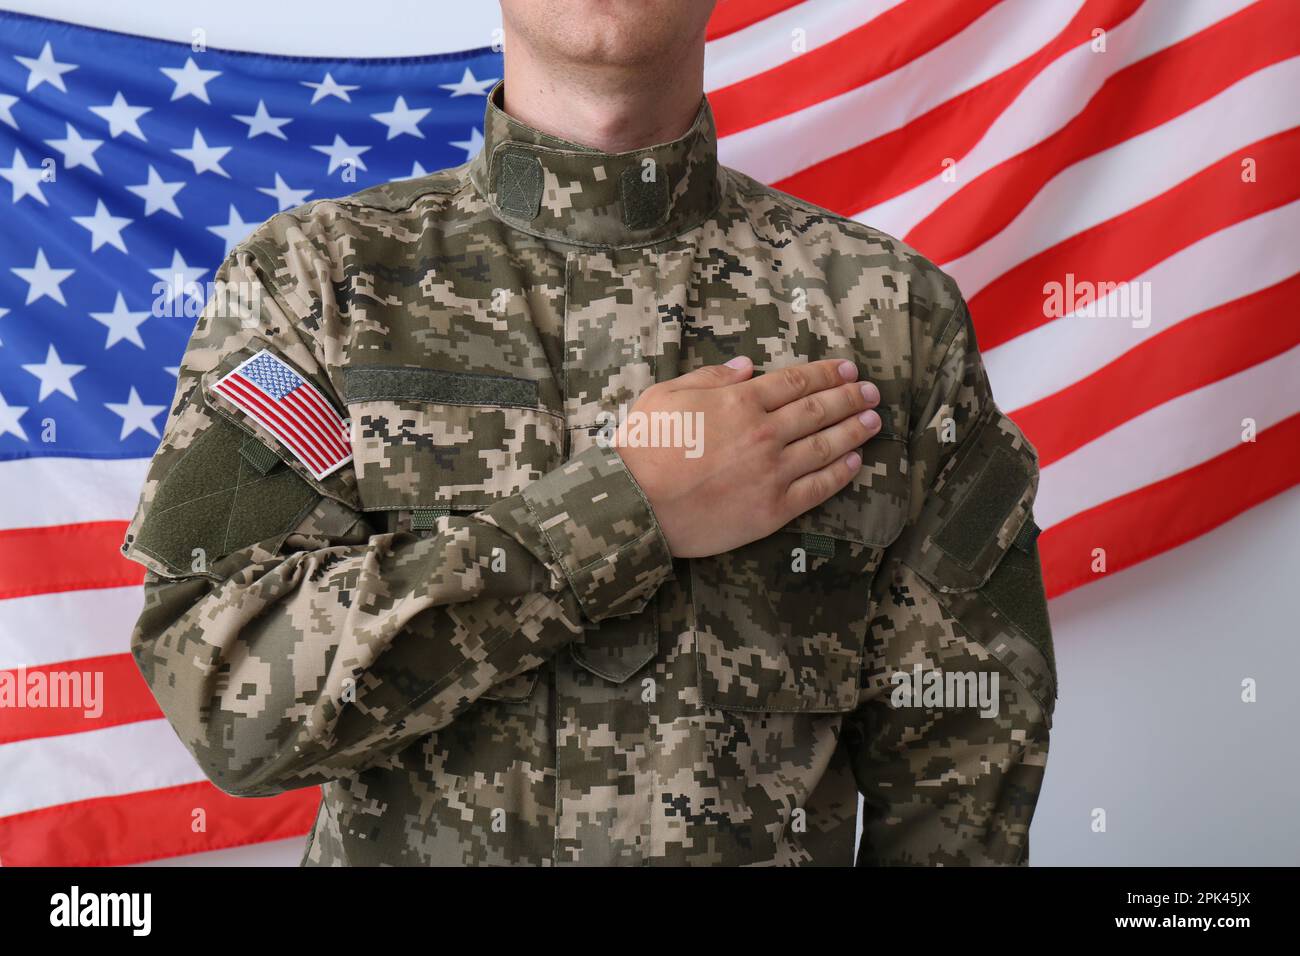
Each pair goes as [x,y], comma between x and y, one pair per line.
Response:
[1150,726]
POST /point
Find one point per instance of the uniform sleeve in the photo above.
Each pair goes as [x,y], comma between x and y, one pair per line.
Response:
[288,642]
[953,780]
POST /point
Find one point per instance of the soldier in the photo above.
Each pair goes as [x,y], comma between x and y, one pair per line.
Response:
[389,552]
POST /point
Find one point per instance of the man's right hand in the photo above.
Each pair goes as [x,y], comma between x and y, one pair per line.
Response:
[773,447]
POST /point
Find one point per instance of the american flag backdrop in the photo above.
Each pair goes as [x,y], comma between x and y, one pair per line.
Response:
[1115,185]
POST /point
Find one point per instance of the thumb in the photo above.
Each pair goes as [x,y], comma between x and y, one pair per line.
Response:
[715,376]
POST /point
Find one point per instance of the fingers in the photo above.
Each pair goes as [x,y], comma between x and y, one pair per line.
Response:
[821,448]
[713,376]
[796,381]
[823,409]
[812,489]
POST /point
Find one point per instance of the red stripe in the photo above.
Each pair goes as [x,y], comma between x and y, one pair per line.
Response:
[329,444]
[1129,244]
[324,420]
[125,698]
[1163,515]
[272,420]
[254,396]
[731,16]
[325,411]
[65,557]
[302,413]
[891,164]
[1194,353]
[151,825]
[879,47]
[1134,100]
[326,444]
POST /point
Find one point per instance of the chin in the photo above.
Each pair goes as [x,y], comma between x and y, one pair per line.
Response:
[607,32]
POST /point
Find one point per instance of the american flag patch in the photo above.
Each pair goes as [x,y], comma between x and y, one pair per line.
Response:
[271,393]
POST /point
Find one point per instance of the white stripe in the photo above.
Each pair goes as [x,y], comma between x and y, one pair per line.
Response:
[1052,99]
[72,490]
[67,626]
[995,42]
[48,771]
[1183,432]
[1118,179]
[1233,262]
[770,42]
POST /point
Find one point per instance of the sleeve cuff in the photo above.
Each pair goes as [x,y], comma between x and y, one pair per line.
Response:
[600,530]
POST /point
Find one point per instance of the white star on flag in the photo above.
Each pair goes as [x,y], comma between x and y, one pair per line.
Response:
[263,122]
[55,375]
[76,150]
[7,103]
[105,228]
[286,197]
[121,117]
[9,415]
[26,179]
[417,171]
[327,87]
[401,119]
[190,80]
[136,415]
[340,152]
[158,194]
[473,145]
[468,86]
[179,278]
[233,231]
[123,324]
[45,69]
[42,280]
[206,159]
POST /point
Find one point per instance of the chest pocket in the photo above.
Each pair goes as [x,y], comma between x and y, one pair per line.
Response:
[780,624]
[428,443]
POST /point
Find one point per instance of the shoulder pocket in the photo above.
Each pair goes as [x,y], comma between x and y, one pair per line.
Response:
[780,623]
[222,494]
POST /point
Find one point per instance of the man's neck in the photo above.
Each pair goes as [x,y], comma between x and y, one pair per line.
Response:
[611,111]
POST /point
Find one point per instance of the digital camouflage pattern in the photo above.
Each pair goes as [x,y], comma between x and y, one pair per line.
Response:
[474,635]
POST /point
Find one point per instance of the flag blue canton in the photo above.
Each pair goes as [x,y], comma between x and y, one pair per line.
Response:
[273,377]
[130,167]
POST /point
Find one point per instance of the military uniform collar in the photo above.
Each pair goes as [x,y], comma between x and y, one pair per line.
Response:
[550,187]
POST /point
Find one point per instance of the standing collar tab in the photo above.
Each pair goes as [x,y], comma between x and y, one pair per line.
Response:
[551,187]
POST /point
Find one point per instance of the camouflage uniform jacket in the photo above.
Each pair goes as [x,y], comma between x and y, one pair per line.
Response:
[473,633]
